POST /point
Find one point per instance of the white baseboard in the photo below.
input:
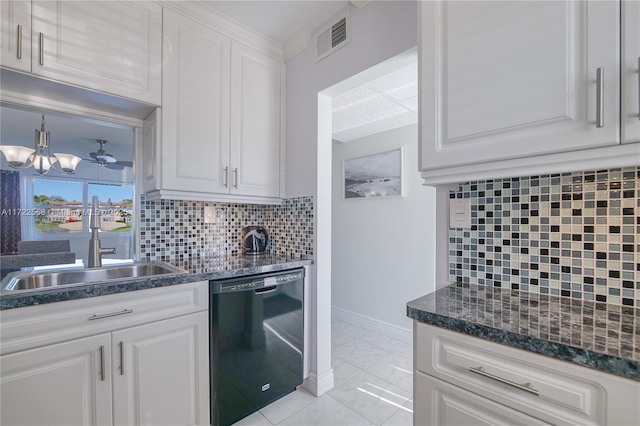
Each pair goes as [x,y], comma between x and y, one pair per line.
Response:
[319,384]
[372,324]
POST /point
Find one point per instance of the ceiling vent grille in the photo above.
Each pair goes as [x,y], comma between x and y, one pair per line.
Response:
[333,37]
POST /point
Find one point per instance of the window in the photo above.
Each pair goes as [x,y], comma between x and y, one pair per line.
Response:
[61,207]
[116,206]
[58,206]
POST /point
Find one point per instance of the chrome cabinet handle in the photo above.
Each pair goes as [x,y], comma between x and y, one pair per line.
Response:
[121,358]
[600,97]
[638,87]
[41,49]
[111,314]
[226,177]
[19,51]
[102,363]
[526,387]
[235,178]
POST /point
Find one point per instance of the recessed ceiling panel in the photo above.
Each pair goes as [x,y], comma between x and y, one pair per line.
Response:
[383,104]
[398,85]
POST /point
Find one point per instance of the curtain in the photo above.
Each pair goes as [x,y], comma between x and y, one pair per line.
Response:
[9,211]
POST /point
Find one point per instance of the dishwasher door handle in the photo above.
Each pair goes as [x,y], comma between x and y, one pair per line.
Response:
[266,290]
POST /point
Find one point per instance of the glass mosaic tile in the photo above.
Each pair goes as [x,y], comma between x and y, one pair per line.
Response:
[571,234]
[175,230]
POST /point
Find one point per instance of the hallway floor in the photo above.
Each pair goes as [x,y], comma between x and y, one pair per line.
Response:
[373,386]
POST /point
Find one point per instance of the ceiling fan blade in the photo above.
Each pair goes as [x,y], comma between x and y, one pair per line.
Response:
[114,166]
[125,163]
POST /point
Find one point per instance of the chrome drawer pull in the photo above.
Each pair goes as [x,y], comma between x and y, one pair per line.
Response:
[112,314]
[526,387]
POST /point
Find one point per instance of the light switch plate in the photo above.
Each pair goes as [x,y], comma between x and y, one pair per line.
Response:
[209,214]
[460,213]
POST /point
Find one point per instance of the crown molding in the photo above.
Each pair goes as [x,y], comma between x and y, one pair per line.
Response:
[360,3]
[297,42]
[205,14]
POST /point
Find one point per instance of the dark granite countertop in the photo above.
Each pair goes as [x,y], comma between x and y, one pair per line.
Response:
[597,335]
[198,269]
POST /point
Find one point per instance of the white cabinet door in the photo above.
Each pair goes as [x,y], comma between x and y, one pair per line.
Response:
[109,46]
[195,113]
[630,71]
[438,403]
[15,34]
[255,122]
[161,372]
[502,80]
[63,384]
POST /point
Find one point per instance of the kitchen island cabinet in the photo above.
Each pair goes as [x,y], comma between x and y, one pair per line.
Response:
[525,88]
[135,358]
[493,355]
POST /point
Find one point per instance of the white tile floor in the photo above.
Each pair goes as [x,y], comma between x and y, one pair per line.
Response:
[373,386]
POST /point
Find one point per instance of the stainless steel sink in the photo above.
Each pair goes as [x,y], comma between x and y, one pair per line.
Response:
[22,281]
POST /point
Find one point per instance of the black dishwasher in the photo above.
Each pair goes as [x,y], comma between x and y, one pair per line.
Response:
[256,342]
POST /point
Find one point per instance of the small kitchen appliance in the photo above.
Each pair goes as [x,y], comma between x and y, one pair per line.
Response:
[254,240]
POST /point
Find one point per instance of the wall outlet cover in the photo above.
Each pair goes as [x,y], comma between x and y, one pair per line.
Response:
[209,214]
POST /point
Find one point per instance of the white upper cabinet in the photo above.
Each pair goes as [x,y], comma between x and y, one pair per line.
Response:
[195,113]
[255,122]
[217,137]
[113,47]
[630,71]
[15,34]
[509,80]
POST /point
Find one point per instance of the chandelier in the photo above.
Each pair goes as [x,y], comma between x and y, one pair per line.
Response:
[20,157]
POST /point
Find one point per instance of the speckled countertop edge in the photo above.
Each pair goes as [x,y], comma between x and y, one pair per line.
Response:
[423,310]
[198,269]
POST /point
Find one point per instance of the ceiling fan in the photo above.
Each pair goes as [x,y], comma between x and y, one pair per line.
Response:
[103,159]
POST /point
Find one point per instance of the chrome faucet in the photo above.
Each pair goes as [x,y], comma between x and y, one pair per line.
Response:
[95,249]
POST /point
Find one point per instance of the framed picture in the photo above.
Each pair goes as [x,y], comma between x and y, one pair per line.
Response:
[376,175]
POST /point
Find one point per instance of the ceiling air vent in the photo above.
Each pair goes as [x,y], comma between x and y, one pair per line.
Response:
[332,38]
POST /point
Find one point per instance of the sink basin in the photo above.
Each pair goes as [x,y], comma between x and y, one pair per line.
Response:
[21,281]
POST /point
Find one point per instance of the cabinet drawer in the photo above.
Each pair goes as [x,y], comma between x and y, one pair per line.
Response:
[442,404]
[34,326]
[552,390]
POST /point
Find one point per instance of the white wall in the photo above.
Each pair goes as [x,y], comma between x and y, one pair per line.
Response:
[382,248]
[379,31]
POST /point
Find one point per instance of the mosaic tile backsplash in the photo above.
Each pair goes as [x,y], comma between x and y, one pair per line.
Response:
[572,234]
[176,230]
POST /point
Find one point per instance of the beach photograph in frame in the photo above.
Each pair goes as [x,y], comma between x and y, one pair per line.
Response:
[375,175]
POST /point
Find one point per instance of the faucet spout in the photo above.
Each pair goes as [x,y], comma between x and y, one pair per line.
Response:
[95,248]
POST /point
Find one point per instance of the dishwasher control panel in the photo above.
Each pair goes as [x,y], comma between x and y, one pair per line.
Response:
[253,282]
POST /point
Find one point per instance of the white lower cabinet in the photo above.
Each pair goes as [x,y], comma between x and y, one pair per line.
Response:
[444,404]
[465,380]
[149,364]
[161,374]
[63,384]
